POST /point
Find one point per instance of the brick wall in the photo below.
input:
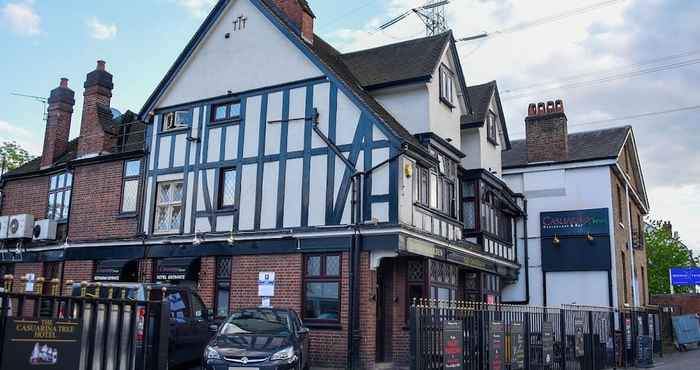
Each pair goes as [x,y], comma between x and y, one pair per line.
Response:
[91,219]
[78,271]
[547,137]
[328,346]
[207,281]
[621,235]
[146,268]
[689,303]
[26,196]
[368,313]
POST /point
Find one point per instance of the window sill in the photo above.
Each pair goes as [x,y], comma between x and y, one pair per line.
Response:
[233,121]
[447,103]
[323,326]
[129,215]
[175,130]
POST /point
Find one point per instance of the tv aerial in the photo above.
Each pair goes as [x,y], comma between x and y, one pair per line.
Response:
[432,14]
[44,101]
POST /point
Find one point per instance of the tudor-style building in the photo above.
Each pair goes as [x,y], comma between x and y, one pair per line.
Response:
[586,202]
[361,180]
[252,162]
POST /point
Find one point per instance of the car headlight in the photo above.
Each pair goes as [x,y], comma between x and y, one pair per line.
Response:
[211,354]
[284,355]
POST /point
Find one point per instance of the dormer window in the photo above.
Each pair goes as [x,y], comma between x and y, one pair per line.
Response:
[177,120]
[447,86]
[491,130]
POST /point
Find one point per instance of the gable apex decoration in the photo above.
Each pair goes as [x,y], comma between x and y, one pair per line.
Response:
[319,53]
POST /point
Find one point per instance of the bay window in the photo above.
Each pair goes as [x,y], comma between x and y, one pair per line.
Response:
[168,207]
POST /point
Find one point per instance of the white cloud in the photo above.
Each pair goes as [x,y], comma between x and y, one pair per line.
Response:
[610,37]
[23,137]
[100,30]
[22,18]
[198,8]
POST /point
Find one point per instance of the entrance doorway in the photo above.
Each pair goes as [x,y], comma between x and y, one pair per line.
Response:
[385,303]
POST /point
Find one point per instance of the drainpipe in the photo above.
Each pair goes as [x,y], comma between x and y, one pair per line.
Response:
[635,294]
[527,258]
[353,355]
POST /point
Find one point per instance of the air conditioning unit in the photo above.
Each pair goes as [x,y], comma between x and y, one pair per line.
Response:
[4,223]
[45,230]
[20,227]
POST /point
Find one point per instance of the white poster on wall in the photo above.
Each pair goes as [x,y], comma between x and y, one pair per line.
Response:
[29,287]
[266,284]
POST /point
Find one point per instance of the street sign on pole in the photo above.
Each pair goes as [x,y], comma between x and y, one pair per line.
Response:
[684,276]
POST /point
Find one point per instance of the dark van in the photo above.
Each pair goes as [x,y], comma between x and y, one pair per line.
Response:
[190,321]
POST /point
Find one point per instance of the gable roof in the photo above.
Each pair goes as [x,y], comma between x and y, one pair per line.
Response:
[403,62]
[320,52]
[480,99]
[582,146]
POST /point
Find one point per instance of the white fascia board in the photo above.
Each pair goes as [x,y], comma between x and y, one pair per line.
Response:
[558,166]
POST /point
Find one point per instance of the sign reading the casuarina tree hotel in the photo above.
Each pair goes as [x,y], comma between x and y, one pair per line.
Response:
[579,222]
[46,344]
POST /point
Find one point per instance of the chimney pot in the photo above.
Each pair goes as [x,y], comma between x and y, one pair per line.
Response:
[546,132]
[532,110]
[540,109]
[64,82]
[550,107]
[101,65]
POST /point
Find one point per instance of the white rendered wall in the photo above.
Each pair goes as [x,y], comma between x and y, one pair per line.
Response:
[258,55]
[586,288]
[408,104]
[558,190]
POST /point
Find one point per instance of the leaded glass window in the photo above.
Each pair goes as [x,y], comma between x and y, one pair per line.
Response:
[227,188]
[59,196]
[130,186]
[168,207]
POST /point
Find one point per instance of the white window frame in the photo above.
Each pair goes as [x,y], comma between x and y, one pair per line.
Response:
[169,206]
[171,120]
[447,91]
[127,178]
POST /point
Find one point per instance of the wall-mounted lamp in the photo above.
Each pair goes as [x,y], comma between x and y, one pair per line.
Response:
[231,239]
[589,237]
[198,239]
[408,170]
[556,240]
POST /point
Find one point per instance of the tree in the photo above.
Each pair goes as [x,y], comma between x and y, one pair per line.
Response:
[12,156]
[664,251]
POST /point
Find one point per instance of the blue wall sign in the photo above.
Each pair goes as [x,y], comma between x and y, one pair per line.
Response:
[572,250]
[579,222]
[685,276]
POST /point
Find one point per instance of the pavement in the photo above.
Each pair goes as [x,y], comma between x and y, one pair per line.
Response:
[679,360]
[671,361]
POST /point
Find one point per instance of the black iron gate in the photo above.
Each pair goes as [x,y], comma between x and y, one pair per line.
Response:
[504,337]
[114,333]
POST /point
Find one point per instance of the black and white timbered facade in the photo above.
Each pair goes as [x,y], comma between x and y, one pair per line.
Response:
[259,131]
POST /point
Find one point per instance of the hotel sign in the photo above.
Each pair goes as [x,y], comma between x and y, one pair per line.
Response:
[572,223]
[47,344]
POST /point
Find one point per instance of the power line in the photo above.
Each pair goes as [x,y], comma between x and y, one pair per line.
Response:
[615,77]
[630,117]
[544,20]
[603,72]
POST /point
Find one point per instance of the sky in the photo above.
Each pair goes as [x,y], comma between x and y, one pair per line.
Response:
[619,59]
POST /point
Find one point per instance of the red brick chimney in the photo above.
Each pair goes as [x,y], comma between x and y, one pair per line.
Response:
[299,12]
[61,102]
[98,94]
[546,132]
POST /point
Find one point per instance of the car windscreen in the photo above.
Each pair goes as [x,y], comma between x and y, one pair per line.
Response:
[257,322]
